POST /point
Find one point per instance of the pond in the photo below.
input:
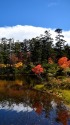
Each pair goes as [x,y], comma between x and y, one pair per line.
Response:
[22,106]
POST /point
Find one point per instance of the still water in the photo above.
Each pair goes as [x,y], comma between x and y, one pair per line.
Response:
[22,106]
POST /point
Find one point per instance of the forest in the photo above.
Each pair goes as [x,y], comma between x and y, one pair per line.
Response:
[38,58]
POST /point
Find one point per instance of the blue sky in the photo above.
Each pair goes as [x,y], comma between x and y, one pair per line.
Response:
[38,13]
[25,19]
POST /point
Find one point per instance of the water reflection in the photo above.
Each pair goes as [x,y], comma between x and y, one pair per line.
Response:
[15,107]
[12,113]
[29,107]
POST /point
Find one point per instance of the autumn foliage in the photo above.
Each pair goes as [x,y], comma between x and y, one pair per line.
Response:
[38,69]
[19,64]
[2,65]
[13,58]
[64,62]
[50,61]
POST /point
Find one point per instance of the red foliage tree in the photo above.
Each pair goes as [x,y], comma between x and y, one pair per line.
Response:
[38,107]
[63,117]
[38,69]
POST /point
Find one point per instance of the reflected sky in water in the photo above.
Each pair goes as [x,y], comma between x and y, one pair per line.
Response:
[20,114]
[23,114]
[15,107]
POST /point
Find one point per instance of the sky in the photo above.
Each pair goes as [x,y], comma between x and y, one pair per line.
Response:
[37,14]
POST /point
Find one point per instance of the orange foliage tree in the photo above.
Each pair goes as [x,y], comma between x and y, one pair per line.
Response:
[19,64]
[64,62]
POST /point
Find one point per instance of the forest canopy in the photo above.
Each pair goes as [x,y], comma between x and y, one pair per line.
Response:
[36,50]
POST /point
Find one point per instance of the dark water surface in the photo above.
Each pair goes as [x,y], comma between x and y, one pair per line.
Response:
[22,106]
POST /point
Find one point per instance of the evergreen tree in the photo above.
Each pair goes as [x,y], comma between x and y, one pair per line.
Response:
[35,48]
[47,44]
[60,43]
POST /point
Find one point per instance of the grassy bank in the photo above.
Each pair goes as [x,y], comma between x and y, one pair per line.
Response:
[61,93]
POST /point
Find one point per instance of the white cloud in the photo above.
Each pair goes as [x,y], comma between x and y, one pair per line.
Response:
[20,32]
